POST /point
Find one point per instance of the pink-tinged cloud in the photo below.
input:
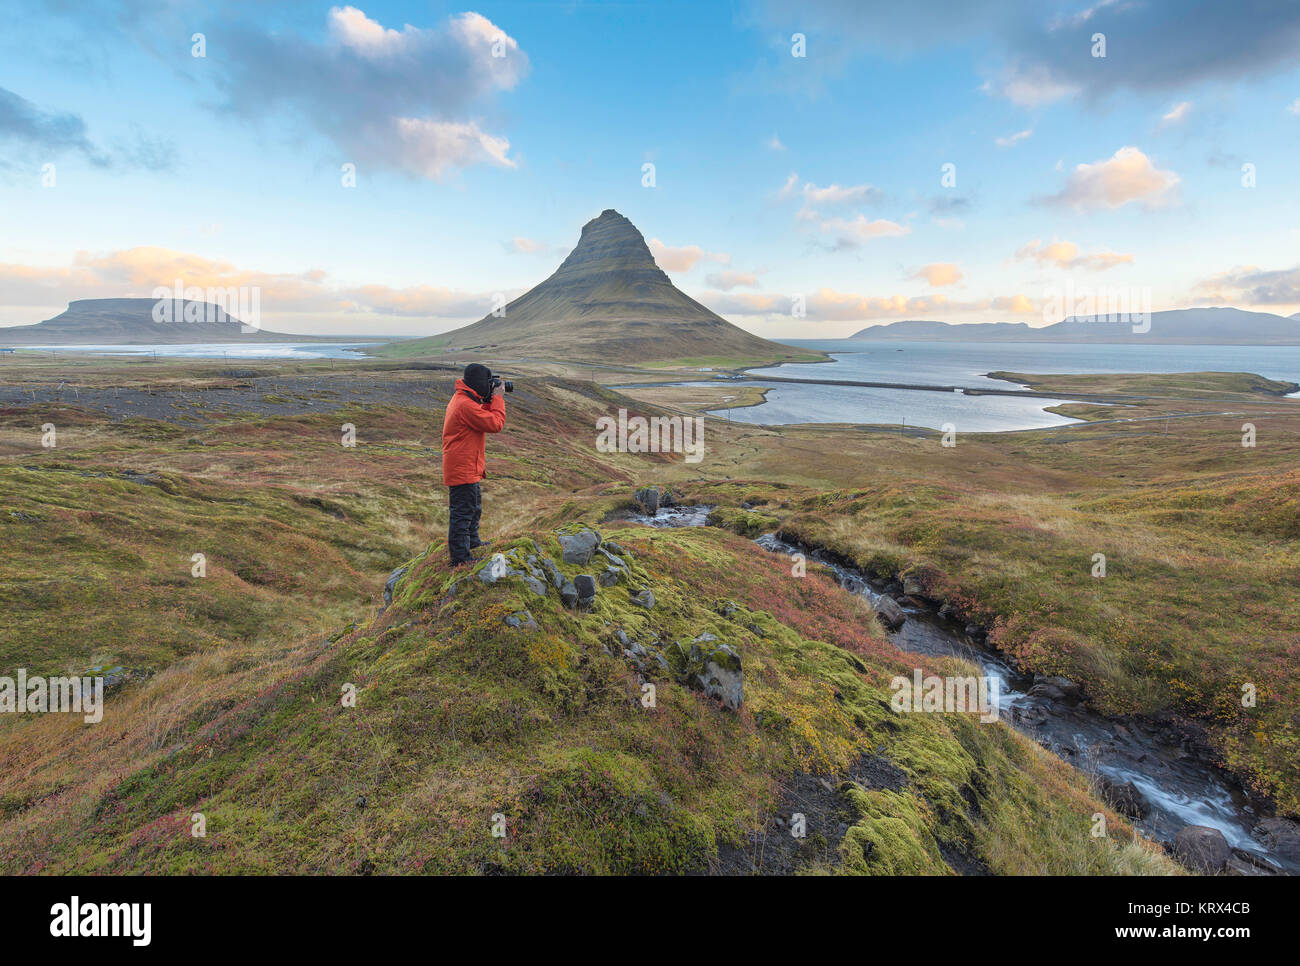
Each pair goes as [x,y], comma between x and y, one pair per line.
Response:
[1128,176]
[136,272]
[939,274]
[684,258]
[1066,254]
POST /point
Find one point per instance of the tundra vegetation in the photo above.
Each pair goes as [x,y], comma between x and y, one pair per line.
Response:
[482,705]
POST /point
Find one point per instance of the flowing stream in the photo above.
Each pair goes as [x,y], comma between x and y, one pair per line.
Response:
[1179,787]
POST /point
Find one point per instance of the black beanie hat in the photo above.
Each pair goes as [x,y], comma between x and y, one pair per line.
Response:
[478,378]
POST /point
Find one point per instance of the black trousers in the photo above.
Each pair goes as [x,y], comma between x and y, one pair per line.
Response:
[462,522]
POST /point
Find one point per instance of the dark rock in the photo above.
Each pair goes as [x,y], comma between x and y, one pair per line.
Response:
[1201,848]
[585,584]
[569,594]
[1124,797]
[648,499]
[579,546]
[609,576]
[1054,689]
[522,620]
[1280,835]
[644,598]
[890,614]
[912,587]
[1260,864]
[614,559]
[391,584]
[553,572]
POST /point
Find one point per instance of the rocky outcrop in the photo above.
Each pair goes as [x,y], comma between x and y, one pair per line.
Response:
[711,667]
[1201,848]
[643,598]
[648,499]
[578,546]
[889,613]
[390,586]
[1281,836]
[1124,797]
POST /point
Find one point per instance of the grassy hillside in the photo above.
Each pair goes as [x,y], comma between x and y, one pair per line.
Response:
[230,706]
[231,701]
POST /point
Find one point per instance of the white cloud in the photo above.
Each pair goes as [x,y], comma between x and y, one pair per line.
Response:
[1294,106]
[434,148]
[406,100]
[774,143]
[1034,87]
[852,232]
[1176,114]
[685,258]
[1127,176]
[1013,139]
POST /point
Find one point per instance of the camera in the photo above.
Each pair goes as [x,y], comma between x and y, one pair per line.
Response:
[499,383]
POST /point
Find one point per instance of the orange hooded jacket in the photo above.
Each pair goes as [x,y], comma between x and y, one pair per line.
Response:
[464,429]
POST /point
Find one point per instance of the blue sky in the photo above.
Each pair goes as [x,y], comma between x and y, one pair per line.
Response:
[776,176]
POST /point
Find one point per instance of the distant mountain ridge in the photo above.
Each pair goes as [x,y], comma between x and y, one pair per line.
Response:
[1201,326]
[131,322]
[610,302]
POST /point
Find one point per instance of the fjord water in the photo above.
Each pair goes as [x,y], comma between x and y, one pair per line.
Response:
[966,365]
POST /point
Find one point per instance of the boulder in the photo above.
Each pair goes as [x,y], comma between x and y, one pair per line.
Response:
[1124,797]
[1054,688]
[495,569]
[585,585]
[522,620]
[569,594]
[498,568]
[1201,848]
[614,559]
[579,546]
[1282,836]
[644,598]
[890,614]
[912,587]
[609,576]
[708,666]
[552,572]
[722,677]
[391,584]
[648,499]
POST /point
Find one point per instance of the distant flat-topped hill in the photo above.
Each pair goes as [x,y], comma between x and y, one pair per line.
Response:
[1205,326]
[608,302]
[131,322]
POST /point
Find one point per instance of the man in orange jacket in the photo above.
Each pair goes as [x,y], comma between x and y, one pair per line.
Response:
[473,412]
